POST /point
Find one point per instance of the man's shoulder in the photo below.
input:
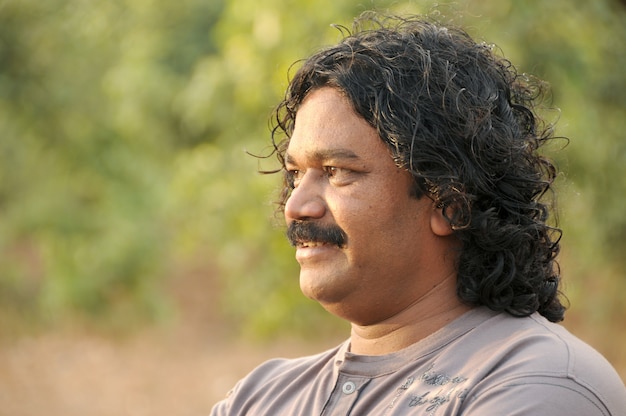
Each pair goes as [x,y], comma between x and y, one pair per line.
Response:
[532,356]
[534,345]
[275,386]
[535,342]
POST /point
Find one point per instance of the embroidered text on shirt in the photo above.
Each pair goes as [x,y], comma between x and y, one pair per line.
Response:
[450,388]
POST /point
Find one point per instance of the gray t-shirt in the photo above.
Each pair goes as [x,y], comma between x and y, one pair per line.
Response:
[482,364]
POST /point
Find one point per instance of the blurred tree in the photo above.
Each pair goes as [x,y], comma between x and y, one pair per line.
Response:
[86,92]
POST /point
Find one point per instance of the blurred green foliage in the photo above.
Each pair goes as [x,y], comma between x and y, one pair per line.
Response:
[124,127]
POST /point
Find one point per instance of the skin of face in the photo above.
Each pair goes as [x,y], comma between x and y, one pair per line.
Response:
[398,247]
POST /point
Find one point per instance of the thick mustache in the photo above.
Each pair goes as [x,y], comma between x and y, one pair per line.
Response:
[302,231]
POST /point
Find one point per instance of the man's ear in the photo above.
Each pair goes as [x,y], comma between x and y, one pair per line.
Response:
[439,224]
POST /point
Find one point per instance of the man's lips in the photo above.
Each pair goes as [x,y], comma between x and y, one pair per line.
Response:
[308,252]
[313,244]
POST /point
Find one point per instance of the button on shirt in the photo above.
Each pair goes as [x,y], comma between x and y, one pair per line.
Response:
[344,395]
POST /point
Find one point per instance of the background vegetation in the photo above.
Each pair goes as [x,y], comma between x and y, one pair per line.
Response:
[124,127]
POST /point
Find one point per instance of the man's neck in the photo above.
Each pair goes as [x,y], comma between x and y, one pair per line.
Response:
[416,322]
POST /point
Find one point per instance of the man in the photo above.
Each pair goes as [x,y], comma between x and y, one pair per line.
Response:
[412,195]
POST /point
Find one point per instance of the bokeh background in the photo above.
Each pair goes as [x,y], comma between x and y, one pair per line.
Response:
[142,268]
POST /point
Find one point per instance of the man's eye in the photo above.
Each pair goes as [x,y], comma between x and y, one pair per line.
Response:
[293,177]
[339,176]
[331,170]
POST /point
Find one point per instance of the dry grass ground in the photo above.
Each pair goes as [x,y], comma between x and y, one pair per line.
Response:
[176,370]
[151,374]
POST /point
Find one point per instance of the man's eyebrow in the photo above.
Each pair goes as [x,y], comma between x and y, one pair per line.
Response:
[326,154]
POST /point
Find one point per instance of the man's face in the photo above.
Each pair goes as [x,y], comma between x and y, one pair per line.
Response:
[377,258]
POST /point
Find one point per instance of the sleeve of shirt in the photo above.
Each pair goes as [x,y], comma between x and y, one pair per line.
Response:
[222,408]
[542,396]
[250,390]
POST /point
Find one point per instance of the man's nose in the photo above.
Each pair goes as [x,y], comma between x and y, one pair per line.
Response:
[306,201]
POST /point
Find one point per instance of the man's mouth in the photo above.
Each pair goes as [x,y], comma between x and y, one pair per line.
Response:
[311,244]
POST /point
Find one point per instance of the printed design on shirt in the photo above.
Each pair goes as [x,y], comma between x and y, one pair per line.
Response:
[431,390]
[401,390]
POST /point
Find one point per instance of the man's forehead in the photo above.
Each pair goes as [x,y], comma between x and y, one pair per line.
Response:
[327,128]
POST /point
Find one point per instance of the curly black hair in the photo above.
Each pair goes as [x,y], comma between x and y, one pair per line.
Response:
[462,121]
